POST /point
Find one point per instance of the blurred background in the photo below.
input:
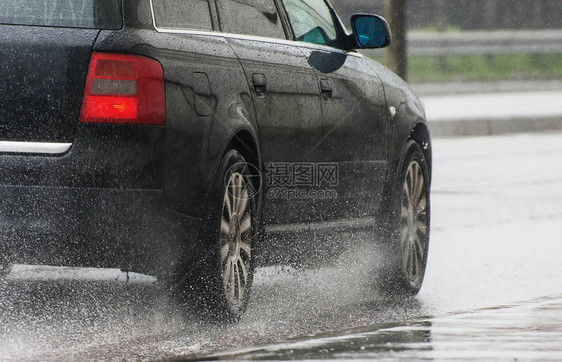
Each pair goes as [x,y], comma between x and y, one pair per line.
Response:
[468,40]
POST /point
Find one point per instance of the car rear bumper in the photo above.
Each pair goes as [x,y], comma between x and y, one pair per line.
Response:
[88,227]
[100,204]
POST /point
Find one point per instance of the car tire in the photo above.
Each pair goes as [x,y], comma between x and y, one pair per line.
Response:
[406,240]
[228,235]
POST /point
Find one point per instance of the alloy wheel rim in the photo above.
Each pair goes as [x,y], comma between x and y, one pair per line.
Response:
[236,239]
[414,224]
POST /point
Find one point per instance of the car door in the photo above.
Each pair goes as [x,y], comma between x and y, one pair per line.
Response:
[287,102]
[354,128]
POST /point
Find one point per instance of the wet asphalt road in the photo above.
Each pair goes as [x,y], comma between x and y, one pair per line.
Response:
[493,287]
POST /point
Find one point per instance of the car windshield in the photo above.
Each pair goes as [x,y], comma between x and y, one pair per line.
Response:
[94,14]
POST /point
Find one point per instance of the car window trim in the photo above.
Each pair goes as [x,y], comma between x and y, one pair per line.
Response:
[263,39]
[342,30]
[284,19]
[282,12]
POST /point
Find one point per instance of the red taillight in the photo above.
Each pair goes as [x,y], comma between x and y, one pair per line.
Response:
[124,88]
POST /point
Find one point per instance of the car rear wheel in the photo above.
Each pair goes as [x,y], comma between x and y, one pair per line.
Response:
[236,241]
[409,221]
[225,278]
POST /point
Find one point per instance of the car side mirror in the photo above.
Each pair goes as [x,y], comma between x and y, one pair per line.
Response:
[370,31]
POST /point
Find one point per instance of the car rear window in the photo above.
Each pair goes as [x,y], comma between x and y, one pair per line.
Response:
[92,14]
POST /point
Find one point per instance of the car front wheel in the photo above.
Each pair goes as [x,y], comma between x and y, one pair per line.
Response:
[409,221]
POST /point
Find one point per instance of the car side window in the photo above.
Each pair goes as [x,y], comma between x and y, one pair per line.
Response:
[313,22]
[250,17]
[182,14]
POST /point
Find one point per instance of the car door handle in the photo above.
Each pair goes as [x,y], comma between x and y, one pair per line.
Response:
[260,84]
[327,90]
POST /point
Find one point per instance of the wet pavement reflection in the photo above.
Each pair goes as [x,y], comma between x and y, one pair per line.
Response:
[529,330]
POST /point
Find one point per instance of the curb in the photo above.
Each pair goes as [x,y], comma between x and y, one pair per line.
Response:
[485,114]
[492,127]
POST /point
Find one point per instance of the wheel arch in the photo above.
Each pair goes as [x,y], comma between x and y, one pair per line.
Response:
[420,134]
[245,143]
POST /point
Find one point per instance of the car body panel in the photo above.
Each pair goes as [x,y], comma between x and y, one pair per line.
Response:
[355,115]
[289,117]
[136,196]
[44,71]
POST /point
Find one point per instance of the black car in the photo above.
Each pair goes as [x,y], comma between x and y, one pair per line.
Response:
[192,139]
